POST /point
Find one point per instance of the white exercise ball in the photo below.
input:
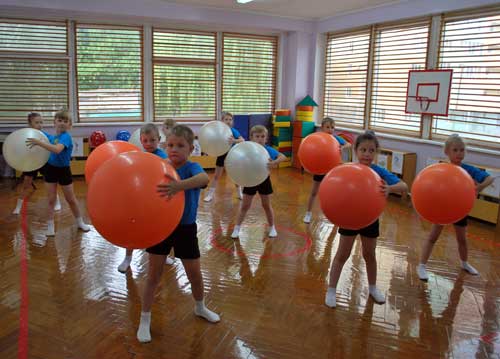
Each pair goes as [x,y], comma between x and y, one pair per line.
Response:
[246,164]
[135,139]
[214,138]
[19,156]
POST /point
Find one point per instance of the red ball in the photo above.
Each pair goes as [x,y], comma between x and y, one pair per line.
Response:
[103,153]
[97,138]
[443,193]
[124,204]
[319,153]
[351,197]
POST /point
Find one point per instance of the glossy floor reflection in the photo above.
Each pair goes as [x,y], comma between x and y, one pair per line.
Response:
[269,292]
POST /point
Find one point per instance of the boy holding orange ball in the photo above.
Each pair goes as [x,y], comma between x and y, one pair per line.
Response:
[184,238]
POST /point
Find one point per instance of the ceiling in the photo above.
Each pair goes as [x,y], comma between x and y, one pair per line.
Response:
[304,9]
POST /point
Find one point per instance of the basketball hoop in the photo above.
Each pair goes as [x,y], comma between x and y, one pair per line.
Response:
[424,102]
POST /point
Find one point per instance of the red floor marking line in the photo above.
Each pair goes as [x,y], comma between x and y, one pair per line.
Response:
[22,348]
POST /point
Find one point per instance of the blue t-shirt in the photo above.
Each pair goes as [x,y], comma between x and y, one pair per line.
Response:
[272,152]
[191,196]
[160,153]
[236,133]
[62,158]
[477,175]
[340,140]
[389,177]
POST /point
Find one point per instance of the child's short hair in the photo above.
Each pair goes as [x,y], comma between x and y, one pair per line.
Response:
[150,128]
[183,131]
[33,115]
[63,115]
[452,140]
[367,136]
[328,120]
[225,113]
[258,129]
[169,122]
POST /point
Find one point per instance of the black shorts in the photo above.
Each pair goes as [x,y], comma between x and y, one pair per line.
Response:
[61,175]
[183,239]
[34,174]
[220,160]
[318,178]
[371,231]
[462,222]
[265,187]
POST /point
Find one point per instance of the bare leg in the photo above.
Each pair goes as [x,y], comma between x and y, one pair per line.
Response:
[343,253]
[266,204]
[245,206]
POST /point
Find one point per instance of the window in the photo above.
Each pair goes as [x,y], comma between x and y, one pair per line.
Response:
[249,73]
[398,49]
[184,65]
[33,69]
[345,78]
[109,73]
[470,47]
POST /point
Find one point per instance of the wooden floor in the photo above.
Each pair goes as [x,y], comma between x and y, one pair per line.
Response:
[269,293]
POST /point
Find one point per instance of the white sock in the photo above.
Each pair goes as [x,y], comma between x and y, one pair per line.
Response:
[57,205]
[143,333]
[202,311]
[331,297]
[272,231]
[50,228]
[82,225]
[422,272]
[307,217]
[19,206]
[170,260]
[236,232]
[467,267]
[209,195]
[122,268]
[376,294]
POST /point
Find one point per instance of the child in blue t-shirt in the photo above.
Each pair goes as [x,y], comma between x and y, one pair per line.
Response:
[58,171]
[34,121]
[184,239]
[366,147]
[454,148]
[236,137]
[150,139]
[259,134]
[327,126]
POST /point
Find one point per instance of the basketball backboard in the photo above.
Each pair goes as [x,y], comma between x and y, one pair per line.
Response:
[428,92]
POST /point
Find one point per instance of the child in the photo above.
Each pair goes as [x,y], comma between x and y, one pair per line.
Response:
[366,147]
[327,126]
[150,137]
[259,134]
[454,148]
[166,128]
[227,118]
[184,238]
[34,121]
[57,170]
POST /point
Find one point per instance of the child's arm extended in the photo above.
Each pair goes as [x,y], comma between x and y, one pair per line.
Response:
[174,186]
[399,187]
[236,140]
[273,164]
[487,181]
[31,142]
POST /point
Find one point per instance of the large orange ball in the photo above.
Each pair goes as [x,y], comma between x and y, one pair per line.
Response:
[124,205]
[350,196]
[443,193]
[103,153]
[319,153]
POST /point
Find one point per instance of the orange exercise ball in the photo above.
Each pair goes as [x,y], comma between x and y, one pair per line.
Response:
[443,193]
[103,153]
[124,204]
[350,196]
[319,153]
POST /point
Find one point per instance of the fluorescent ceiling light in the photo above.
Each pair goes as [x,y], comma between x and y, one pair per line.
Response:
[243,1]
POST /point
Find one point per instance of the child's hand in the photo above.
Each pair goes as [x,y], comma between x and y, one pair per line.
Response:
[272,164]
[347,145]
[231,140]
[384,188]
[31,142]
[169,189]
